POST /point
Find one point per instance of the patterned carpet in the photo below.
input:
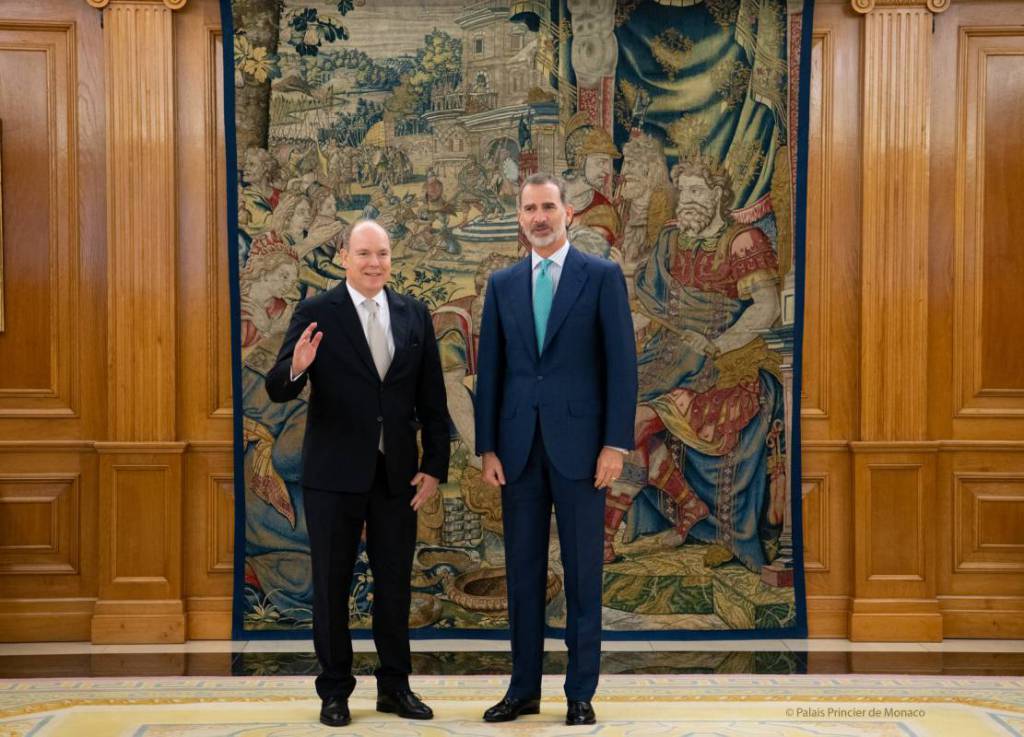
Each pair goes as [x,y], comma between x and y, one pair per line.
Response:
[627,706]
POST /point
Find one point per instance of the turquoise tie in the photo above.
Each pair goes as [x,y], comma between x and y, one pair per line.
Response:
[543,294]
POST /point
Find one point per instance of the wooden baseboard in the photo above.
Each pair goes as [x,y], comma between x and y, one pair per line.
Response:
[983,617]
[209,617]
[828,616]
[895,620]
[135,622]
[46,620]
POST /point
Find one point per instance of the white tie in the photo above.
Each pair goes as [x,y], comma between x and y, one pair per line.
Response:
[378,341]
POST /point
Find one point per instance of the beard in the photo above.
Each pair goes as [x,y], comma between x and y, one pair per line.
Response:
[635,189]
[543,241]
[694,217]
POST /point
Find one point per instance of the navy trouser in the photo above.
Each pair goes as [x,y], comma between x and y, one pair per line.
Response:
[579,511]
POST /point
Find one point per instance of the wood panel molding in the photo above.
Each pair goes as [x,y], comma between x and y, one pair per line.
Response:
[140,556]
[140,221]
[817,522]
[209,539]
[39,524]
[816,385]
[218,305]
[894,551]
[978,118]
[894,372]
[40,100]
[988,522]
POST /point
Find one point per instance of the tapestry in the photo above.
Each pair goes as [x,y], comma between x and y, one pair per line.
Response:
[679,127]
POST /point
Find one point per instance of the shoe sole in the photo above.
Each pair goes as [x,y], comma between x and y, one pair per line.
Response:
[521,713]
[392,710]
[580,724]
[335,722]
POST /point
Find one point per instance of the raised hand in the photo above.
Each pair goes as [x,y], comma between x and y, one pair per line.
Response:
[305,349]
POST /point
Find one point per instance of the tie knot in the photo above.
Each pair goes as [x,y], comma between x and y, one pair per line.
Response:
[544,265]
[371,306]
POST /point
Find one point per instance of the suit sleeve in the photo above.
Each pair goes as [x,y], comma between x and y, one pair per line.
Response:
[490,366]
[280,387]
[620,360]
[432,404]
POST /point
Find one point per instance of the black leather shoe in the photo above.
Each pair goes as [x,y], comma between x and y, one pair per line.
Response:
[334,712]
[510,708]
[580,712]
[403,703]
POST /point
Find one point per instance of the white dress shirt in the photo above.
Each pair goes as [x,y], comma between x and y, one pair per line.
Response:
[383,317]
[554,269]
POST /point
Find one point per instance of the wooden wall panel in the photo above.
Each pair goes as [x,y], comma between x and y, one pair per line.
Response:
[828,548]
[209,535]
[988,522]
[976,357]
[140,558]
[829,398]
[204,402]
[34,102]
[981,536]
[831,297]
[895,512]
[204,399]
[39,525]
[956,389]
[52,380]
[46,84]
[1002,218]
[989,365]
[48,540]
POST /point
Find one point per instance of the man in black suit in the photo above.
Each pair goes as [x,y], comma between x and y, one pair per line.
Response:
[376,377]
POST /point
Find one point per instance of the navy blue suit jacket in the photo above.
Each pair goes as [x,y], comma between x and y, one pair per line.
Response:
[582,386]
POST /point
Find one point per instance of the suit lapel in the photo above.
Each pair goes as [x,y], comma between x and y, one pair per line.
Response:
[352,327]
[521,285]
[570,283]
[400,315]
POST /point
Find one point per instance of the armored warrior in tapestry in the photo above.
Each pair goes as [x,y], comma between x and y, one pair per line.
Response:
[675,125]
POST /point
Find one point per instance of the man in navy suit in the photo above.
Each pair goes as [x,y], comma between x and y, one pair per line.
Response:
[555,405]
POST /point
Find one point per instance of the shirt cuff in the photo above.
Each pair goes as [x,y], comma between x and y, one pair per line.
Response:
[295,377]
[621,450]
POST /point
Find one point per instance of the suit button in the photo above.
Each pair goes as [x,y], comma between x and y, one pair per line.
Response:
[380,419]
[540,378]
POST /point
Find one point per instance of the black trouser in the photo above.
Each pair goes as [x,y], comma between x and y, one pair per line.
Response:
[335,522]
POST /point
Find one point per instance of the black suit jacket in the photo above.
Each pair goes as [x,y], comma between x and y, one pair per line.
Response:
[349,403]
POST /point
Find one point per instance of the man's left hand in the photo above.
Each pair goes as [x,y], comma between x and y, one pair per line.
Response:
[609,467]
[426,488]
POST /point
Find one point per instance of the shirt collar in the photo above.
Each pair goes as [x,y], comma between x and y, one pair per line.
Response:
[358,299]
[558,257]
